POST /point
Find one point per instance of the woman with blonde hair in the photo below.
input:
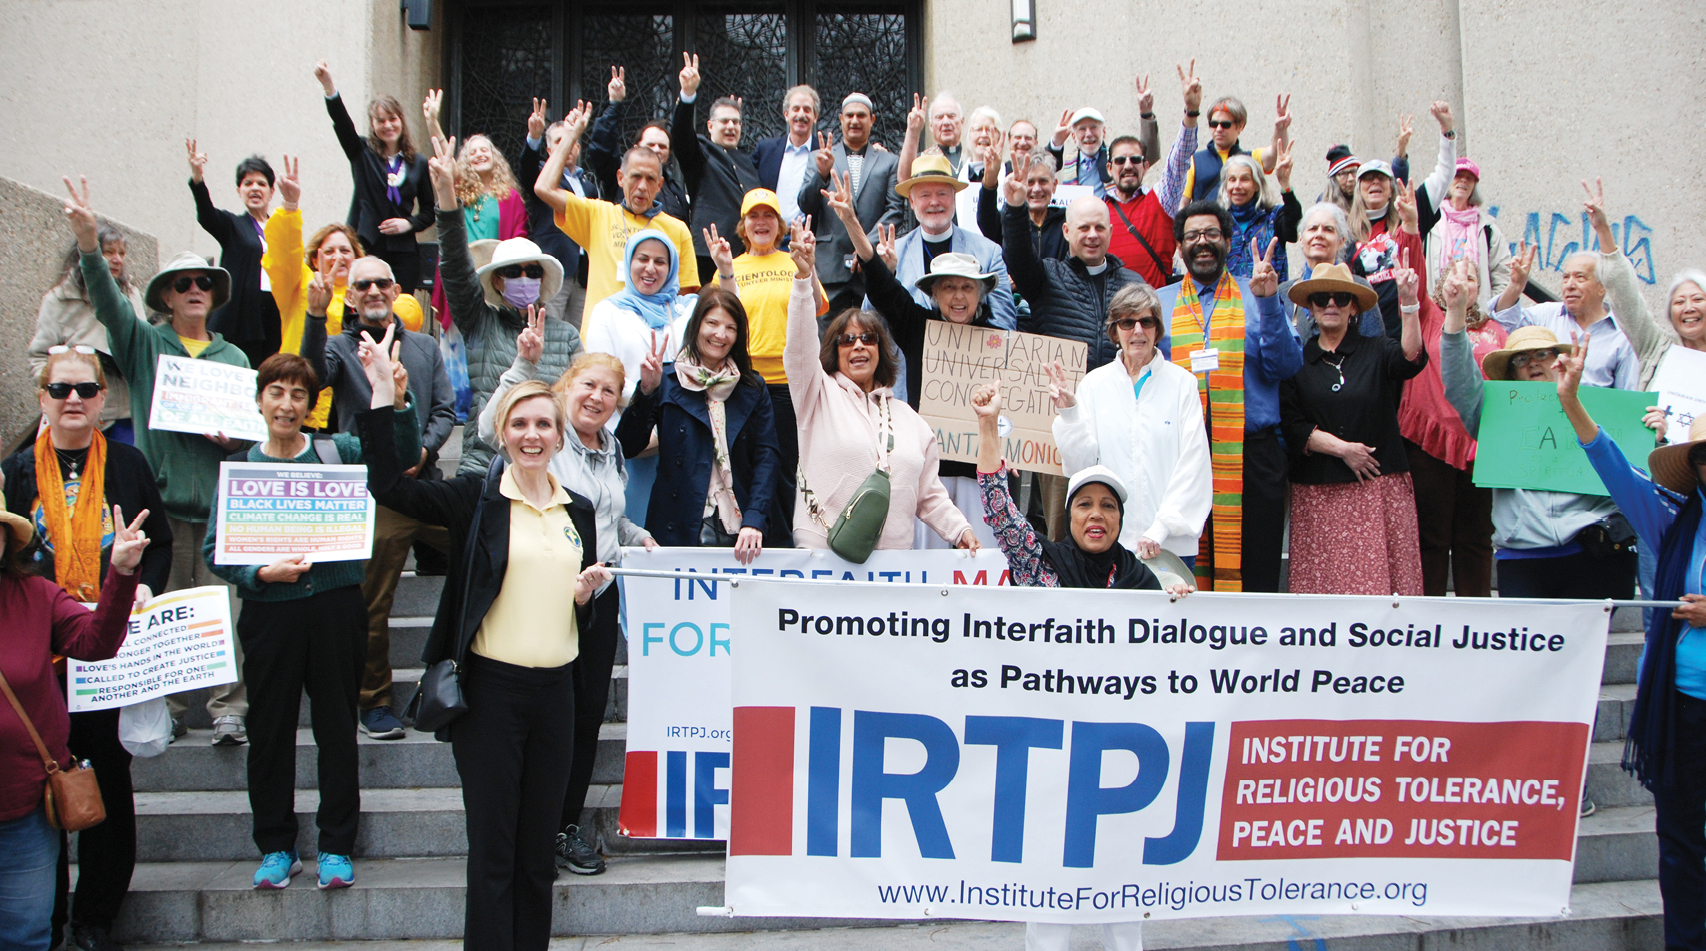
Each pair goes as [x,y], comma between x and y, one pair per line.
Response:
[492,206]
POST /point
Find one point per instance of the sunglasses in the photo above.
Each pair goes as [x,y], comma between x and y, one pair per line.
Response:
[534,271]
[867,338]
[1129,324]
[1219,124]
[1546,355]
[182,284]
[1336,298]
[60,391]
[1127,160]
[62,348]
[383,283]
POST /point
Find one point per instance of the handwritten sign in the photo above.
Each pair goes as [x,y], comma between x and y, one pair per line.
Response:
[958,359]
[268,511]
[201,396]
[1681,382]
[179,641]
[1527,443]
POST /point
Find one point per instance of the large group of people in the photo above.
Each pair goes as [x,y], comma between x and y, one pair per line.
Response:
[681,341]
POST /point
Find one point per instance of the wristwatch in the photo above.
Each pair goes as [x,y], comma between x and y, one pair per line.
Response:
[1451,134]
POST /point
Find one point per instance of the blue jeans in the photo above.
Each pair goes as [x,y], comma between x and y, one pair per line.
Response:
[31,850]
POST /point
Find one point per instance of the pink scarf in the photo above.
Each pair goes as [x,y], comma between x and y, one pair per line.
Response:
[716,385]
[1459,232]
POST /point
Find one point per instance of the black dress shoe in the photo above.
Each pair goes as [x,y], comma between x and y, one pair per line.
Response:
[93,938]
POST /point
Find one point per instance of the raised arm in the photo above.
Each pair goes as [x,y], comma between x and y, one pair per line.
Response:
[1282,132]
[112,309]
[430,107]
[1279,353]
[603,142]
[348,138]
[915,118]
[1440,180]
[683,131]
[212,220]
[284,256]
[1464,386]
[1024,268]
[1634,317]
[573,217]
[1171,189]
[806,375]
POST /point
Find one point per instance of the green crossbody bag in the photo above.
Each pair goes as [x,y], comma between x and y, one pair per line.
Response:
[855,532]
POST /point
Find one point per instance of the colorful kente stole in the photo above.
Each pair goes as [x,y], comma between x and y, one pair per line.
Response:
[1219,565]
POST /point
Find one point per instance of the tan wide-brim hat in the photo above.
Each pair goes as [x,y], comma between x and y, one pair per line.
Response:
[155,295]
[955,264]
[1669,464]
[520,251]
[1496,365]
[1332,278]
[19,528]
[930,167]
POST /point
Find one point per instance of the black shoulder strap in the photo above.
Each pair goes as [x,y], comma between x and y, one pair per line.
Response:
[327,450]
[494,472]
[1166,267]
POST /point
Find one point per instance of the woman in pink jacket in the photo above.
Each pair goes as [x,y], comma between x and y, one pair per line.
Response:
[851,424]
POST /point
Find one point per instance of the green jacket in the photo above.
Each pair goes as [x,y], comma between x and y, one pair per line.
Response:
[186,465]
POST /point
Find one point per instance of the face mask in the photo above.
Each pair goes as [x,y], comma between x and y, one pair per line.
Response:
[521,291]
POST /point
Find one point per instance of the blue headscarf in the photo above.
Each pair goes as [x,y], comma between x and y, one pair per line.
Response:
[655,309]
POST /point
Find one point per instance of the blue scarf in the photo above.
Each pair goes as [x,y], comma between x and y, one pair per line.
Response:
[1647,751]
[655,309]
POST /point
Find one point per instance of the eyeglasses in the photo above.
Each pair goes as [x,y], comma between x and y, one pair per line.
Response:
[1127,160]
[383,283]
[1219,124]
[727,120]
[60,391]
[1129,324]
[1544,355]
[867,338]
[1336,298]
[534,271]
[182,284]
[62,348]
[1206,234]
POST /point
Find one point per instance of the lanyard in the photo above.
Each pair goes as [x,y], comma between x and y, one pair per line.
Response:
[1203,320]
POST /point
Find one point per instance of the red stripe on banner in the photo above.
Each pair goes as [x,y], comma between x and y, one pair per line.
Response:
[639,816]
[761,800]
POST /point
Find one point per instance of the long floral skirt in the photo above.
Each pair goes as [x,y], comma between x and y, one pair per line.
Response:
[1356,538]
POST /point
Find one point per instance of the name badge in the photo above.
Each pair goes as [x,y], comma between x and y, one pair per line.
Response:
[1204,361]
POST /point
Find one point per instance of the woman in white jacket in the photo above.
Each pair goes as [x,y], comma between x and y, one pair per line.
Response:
[1141,417]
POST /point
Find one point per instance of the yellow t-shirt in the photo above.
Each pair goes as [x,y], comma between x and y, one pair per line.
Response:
[532,621]
[765,283]
[195,347]
[603,229]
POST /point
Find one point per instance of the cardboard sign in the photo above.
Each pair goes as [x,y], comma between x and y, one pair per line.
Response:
[1526,442]
[1681,382]
[179,641]
[269,511]
[958,359]
[201,396]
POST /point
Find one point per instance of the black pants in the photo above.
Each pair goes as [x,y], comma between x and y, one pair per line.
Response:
[592,692]
[513,749]
[319,643]
[405,267]
[1681,816]
[106,854]
[1264,509]
[788,434]
[1573,576]
[1454,517]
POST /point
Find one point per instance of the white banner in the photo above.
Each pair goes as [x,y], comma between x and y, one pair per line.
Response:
[265,511]
[179,641]
[1681,382]
[680,635]
[1085,756]
[203,396]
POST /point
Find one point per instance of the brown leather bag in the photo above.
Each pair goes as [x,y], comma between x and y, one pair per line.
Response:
[73,796]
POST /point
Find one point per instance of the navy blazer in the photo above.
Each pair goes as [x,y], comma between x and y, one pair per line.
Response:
[768,158]
[685,449]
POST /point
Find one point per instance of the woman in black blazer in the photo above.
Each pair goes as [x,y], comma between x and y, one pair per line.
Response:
[250,318]
[704,496]
[513,629]
[393,197]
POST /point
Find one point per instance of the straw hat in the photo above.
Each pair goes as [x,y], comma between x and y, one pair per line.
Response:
[521,251]
[1332,278]
[19,528]
[930,168]
[155,296]
[1669,464]
[955,264]
[1496,365]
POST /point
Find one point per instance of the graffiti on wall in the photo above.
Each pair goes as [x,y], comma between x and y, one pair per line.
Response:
[1561,235]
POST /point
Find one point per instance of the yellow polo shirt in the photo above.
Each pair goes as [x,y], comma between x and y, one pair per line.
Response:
[602,229]
[764,283]
[532,622]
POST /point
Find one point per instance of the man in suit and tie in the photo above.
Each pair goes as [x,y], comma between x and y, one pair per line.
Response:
[785,161]
[871,172]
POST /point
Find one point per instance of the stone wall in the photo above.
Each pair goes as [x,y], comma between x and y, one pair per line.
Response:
[33,242]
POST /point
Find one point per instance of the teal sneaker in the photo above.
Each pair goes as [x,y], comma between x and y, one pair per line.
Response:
[336,871]
[276,869]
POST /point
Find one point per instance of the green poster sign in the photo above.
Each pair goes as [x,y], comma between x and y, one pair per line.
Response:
[1527,443]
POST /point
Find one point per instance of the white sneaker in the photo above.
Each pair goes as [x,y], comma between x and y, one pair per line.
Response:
[229,730]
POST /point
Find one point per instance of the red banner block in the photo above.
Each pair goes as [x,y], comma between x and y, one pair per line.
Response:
[639,815]
[761,797]
[1298,789]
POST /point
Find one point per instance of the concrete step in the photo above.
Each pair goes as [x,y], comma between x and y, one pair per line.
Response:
[417,906]
[417,596]
[414,823]
[1625,620]
[1623,657]
[1608,785]
[1616,706]
[1617,845]
[193,764]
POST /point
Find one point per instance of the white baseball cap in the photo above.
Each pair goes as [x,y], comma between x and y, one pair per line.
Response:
[1086,113]
[1101,474]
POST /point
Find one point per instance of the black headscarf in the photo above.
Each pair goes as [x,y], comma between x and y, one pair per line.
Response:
[1117,567]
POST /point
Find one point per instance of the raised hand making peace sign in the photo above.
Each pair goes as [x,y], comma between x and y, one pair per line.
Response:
[1264,280]
[651,367]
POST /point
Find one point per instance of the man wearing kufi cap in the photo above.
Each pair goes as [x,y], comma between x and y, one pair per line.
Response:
[871,173]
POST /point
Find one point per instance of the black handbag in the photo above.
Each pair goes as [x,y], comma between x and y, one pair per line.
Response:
[439,700]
